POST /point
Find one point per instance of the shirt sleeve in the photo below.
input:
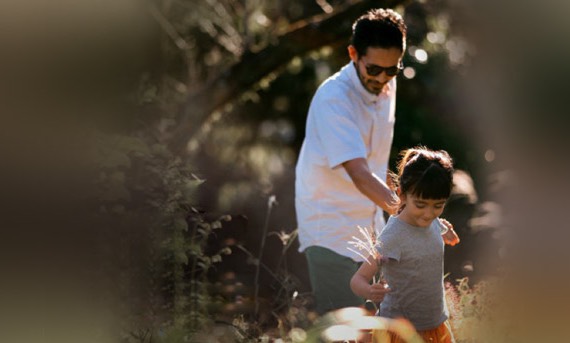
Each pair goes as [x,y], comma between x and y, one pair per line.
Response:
[338,133]
[390,245]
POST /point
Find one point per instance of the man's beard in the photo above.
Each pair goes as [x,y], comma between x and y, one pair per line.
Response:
[371,85]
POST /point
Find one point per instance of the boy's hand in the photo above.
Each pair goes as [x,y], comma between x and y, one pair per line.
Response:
[450,237]
[377,291]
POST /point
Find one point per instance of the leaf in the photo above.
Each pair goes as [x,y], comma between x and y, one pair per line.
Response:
[216,258]
[180,224]
[181,257]
[206,226]
[225,218]
[190,188]
[194,249]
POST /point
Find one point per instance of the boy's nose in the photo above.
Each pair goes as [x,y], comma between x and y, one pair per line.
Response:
[432,213]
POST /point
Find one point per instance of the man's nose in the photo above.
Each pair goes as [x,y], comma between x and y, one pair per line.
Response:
[383,77]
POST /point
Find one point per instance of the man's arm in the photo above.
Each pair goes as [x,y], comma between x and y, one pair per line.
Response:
[371,185]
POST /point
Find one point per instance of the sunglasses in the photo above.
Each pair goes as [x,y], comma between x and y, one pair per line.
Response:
[375,70]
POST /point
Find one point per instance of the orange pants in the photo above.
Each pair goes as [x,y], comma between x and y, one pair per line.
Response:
[441,334]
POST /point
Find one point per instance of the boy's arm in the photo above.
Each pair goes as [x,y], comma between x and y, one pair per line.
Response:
[360,282]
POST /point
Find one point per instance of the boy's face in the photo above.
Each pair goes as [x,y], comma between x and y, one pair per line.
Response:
[376,57]
[419,211]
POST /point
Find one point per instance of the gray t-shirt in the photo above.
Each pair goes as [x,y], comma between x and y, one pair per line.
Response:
[414,273]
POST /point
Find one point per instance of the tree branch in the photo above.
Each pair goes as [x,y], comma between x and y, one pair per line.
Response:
[305,36]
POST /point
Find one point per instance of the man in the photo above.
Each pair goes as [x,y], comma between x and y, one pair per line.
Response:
[341,175]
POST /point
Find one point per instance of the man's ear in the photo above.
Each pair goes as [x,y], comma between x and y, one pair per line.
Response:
[353,53]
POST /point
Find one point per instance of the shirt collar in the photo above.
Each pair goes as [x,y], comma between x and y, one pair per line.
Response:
[368,97]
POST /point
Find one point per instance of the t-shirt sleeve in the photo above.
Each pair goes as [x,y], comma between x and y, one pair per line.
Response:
[390,245]
[337,131]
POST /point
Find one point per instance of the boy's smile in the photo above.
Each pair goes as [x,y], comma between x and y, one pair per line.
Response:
[419,211]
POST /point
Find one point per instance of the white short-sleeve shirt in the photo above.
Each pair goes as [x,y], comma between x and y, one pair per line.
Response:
[345,122]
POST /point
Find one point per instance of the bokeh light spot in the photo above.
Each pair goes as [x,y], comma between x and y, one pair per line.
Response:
[489,155]
[421,55]
[436,37]
[409,73]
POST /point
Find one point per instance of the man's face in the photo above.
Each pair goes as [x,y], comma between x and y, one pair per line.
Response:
[389,60]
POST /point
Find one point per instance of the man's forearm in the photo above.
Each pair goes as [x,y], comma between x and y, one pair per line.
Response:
[377,191]
[371,185]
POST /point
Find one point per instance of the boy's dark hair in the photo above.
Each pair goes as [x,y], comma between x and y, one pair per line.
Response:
[379,28]
[426,173]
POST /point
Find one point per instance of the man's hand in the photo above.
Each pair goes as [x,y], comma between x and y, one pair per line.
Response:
[377,291]
[393,204]
[371,185]
[450,237]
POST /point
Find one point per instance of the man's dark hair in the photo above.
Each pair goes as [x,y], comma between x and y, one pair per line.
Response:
[379,28]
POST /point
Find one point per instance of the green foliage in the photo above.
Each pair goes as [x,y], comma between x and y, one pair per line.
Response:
[148,192]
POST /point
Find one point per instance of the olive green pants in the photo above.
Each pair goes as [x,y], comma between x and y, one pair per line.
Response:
[330,275]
